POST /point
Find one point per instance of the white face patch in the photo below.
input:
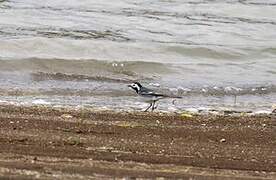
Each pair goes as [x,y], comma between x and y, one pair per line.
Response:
[135,86]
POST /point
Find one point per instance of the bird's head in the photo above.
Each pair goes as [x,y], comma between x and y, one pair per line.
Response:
[135,86]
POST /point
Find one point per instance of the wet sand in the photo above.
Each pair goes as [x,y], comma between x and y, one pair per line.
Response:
[47,143]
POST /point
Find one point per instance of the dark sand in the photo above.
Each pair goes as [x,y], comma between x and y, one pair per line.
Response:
[47,143]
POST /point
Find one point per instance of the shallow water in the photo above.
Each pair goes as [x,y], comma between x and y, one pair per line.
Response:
[85,53]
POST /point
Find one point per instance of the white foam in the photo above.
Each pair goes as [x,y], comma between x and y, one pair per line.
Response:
[173,89]
[204,90]
[40,101]
[154,84]
[192,110]
[172,109]
[263,112]
[1,101]
[216,88]
[183,89]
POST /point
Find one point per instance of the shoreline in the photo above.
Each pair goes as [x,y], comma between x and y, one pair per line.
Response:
[45,142]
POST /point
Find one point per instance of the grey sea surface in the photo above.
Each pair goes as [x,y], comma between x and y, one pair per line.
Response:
[216,54]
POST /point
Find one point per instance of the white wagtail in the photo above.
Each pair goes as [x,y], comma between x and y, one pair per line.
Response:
[150,96]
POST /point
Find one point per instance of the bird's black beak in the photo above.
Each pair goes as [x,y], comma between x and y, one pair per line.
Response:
[129,86]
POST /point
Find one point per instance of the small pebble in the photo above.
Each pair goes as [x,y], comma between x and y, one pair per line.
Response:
[66,116]
[90,148]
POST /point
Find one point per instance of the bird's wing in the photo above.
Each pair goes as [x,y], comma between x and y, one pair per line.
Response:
[149,92]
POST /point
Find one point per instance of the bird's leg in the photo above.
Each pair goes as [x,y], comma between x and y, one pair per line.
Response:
[148,107]
[156,106]
[153,107]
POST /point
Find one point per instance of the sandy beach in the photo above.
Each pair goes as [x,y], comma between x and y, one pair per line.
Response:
[67,110]
[46,143]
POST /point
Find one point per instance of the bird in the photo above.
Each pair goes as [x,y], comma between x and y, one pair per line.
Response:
[151,96]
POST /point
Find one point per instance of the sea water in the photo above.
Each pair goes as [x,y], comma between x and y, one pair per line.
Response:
[215,54]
